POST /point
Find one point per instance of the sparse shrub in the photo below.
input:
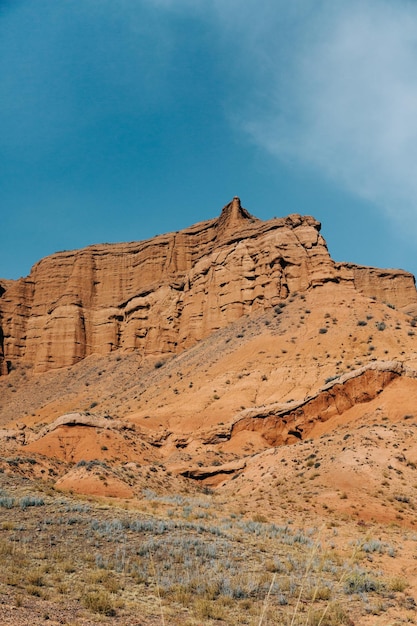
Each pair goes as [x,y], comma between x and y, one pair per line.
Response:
[8,525]
[329,379]
[35,577]
[159,364]
[6,502]
[33,590]
[402,498]
[381,325]
[207,609]
[18,601]
[274,565]
[373,545]
[322,331]
[68,567]
[398,584]
[27,501]
[93,463]
[360,582]
[99,602]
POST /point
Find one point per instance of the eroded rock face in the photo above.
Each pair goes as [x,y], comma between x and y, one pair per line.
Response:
[283,424]
[162,295]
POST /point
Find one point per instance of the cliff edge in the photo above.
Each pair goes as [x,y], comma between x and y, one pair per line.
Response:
[162,295]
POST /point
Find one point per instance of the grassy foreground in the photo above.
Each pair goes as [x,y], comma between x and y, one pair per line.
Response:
[186,560]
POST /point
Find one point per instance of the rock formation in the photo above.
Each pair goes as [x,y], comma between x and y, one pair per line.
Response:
[162,295]
[282,424]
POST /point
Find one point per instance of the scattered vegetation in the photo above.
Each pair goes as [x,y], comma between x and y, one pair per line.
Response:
[105,560]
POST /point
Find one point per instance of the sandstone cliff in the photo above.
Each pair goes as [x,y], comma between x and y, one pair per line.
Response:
[162,295]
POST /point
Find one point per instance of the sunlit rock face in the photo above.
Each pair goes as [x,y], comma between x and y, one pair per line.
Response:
[162,295]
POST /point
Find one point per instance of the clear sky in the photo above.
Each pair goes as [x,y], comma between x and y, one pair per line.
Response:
[122,119]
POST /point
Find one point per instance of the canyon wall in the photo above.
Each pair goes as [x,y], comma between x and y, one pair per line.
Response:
[162,295]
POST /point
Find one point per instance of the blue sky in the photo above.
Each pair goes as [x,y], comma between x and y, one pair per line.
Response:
[122,119]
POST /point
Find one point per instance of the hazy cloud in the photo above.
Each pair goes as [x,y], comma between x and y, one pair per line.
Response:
[328,84]
[346,104]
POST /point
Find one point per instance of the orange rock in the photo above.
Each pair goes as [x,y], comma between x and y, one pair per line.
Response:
[163,295]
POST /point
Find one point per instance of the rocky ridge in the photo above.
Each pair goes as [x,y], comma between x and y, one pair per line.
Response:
[163,295]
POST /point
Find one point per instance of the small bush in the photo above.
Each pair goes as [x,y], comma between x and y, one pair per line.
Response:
[99,602]
[329,379]
[6,502]
[373,545]
[402,498]
[27,501]
[35,577]
[360,582]
[398,584]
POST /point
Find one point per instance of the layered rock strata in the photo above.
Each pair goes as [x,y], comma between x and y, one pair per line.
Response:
[280,424]
[162,295]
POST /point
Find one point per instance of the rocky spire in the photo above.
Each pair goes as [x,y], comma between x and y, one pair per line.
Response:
[233,216]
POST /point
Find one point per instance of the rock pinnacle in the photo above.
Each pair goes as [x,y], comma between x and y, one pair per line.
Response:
[233,216]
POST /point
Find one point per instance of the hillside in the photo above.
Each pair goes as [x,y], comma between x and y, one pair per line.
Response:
[234,361]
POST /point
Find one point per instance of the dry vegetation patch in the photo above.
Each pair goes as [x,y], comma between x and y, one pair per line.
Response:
[185,560]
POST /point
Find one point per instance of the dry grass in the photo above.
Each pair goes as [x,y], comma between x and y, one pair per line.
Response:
[192,563]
